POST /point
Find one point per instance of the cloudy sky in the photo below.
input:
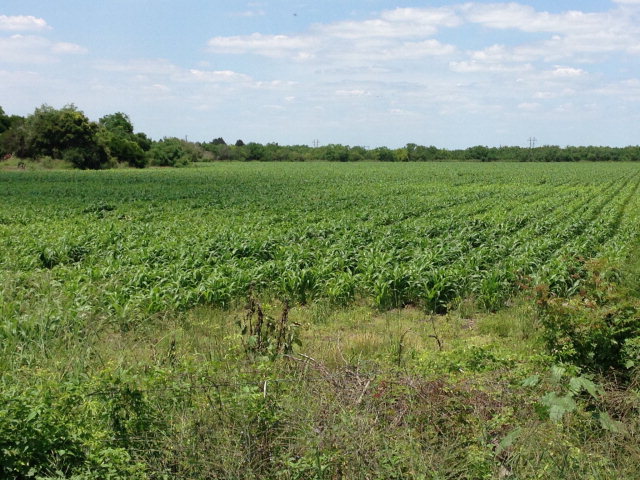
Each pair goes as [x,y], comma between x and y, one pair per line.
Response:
[360,72]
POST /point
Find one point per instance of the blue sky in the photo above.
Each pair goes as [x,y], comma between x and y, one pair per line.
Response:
[363,72]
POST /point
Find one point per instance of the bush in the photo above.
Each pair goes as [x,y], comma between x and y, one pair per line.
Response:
[126,150]
[92,158]
[599,329]
[45,433]
[173,152]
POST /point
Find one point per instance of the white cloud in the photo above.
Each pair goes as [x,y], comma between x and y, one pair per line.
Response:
[627,89]
[257,43]
[410,34]
[567,72]
[353,93]
[21,23]
[139,67]
[68,48]
[573,34]
[475,66]
[529,106]
[159,87]
[216,76]
[163,75]
[437,17]
[403,33]
[528,19]
[34,49]
[398,23]
[415,50]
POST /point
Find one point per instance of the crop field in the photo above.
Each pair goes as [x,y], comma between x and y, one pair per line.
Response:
[99,270]
[136,243]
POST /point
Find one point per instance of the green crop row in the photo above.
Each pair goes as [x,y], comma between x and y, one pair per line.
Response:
[132,244]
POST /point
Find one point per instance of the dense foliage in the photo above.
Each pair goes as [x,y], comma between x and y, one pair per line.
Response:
[68,134]
[598,328]
[273,152]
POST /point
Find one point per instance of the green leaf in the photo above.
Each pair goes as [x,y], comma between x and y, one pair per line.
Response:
[558,406]
[557,372]
[610,424]
[531,381]
[508,440]
[578,384]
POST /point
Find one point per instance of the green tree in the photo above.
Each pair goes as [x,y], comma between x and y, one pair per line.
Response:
[125,146]
[169,152]
[480,153]
[143,141]
[383,154]
[117,123]
[64,133]
[255,152]
[336,153]
[358,154]
[5,121]
[127,150]
[12,137]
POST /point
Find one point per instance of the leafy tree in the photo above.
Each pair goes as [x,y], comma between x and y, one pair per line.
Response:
[383,154]
[129,151]
[143,141]
[239,143]
[411,152]
[170,152]
[336,153]
[218,141]
[358,154]
[401,155]
[5,121]
[480,153]
[125,146]
[255,151]
[275,153]
[117,123]
[92,157]
[65,133]
[12,137]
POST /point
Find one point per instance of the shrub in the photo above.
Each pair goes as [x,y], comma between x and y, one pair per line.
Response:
[599,329]
[45,434]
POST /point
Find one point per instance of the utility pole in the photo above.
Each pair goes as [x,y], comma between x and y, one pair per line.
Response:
[316,143]
[532,142]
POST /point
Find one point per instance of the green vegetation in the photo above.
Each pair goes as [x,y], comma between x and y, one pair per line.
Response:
[68,135]
[320,320]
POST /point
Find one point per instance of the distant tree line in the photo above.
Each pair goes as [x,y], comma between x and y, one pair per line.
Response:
[271,152]
[67,134]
